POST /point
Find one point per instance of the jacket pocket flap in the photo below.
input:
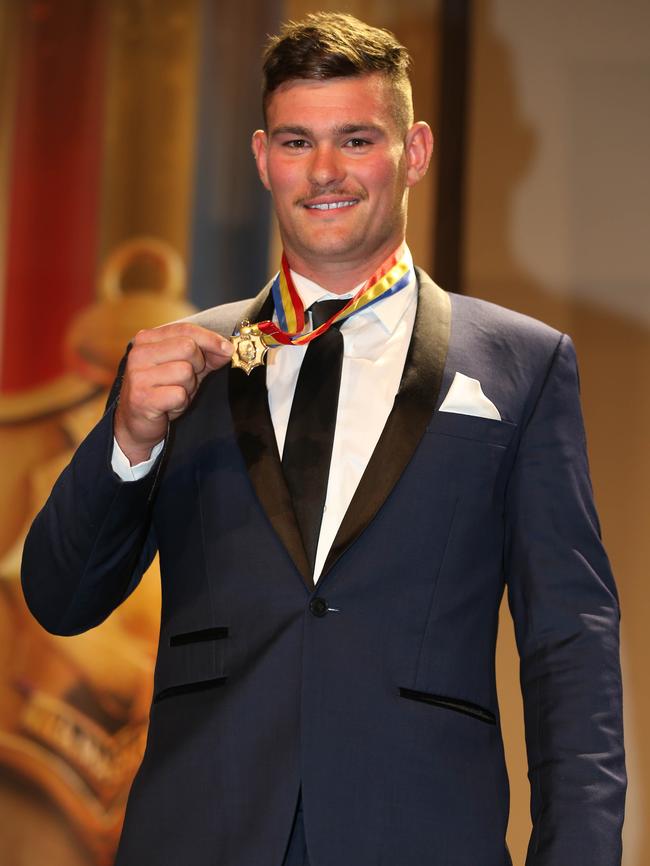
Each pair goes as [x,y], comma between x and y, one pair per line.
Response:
[472,427]
[201,635]
[456,704]
[192,657]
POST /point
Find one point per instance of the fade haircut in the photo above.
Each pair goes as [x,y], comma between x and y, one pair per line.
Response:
[326,45]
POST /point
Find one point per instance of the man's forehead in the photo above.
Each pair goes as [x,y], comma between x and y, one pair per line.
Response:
[355,101]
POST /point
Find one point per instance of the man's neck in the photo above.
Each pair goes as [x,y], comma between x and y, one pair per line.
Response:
[339,277]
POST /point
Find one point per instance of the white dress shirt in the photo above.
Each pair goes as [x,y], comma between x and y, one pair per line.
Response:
[375,343]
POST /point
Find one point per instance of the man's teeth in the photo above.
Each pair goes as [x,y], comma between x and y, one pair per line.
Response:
[331,205]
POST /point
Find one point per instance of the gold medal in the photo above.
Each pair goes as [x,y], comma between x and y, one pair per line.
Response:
[249,347]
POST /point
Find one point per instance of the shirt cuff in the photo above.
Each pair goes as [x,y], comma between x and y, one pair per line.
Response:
[123,469]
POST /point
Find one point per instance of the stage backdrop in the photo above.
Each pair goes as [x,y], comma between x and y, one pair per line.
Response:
[128,197]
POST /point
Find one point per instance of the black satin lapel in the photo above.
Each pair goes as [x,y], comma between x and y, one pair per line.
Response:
[256,438]
[411,412]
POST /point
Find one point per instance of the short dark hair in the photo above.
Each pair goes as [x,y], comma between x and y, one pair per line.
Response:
[327,45]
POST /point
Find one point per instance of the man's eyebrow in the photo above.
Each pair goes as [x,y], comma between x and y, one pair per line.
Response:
[287,129]
[352,128]
[345,129]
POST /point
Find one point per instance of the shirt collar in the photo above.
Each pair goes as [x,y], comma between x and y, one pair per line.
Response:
[387,312]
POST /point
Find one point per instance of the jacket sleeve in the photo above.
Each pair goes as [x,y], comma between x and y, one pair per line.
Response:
[90,544]
[564,603]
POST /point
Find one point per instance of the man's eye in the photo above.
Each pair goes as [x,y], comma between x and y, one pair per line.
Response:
[296,143]
[357,142]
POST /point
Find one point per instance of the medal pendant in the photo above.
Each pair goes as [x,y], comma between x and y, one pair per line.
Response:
[249,348]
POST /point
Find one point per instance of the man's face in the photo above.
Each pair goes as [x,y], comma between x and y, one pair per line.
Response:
[338,168]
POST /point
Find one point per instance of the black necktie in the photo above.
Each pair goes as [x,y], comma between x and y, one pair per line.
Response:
[310,433]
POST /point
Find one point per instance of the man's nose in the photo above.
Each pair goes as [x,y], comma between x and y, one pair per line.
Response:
[326,166]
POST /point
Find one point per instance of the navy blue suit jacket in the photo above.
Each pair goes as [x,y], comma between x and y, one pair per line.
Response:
[373,692]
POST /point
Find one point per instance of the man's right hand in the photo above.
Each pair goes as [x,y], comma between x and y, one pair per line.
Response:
[164,370]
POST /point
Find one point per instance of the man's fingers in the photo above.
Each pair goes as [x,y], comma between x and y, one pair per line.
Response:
[164,369]
[214,360]
[204,349]
[145,391]
[169,400]
[146,355]
[208,341]
[170,373]
[216,350]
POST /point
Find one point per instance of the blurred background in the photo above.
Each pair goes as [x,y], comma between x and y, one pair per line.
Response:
[128,197]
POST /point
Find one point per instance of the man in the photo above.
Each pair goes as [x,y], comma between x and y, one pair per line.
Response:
[325,688]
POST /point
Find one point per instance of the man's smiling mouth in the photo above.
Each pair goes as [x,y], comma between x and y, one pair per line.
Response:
[330,205]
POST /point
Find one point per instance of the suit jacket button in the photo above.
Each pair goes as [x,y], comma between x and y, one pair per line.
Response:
[318,606]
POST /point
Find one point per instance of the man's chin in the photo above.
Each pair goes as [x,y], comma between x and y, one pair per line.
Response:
[331,249]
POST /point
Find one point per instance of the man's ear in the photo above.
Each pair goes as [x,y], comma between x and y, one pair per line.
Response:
[259,145]
[419,147]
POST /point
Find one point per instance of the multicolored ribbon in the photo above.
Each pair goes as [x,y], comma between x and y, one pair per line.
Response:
[392,276]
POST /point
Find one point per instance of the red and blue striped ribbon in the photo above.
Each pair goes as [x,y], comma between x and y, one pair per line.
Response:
[392,276]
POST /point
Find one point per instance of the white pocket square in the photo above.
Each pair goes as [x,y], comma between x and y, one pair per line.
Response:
[466,397]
